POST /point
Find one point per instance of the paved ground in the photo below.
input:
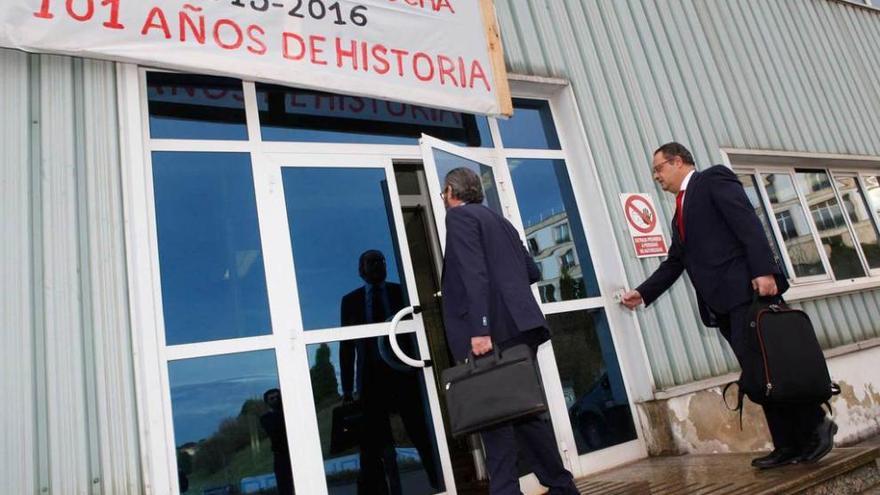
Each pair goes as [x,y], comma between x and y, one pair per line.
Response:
[854,470]
[731,474]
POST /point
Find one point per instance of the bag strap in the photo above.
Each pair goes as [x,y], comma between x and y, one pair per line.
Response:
[739,401]
[835,390]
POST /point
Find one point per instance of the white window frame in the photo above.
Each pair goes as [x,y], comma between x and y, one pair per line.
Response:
[154,411]
[756,162]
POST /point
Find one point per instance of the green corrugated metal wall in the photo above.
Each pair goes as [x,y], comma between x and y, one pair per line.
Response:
[790,75]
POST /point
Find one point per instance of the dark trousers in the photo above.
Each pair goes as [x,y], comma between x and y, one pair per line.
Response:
[791,426]
[532,438]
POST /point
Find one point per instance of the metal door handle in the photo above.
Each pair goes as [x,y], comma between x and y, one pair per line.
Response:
[392,338]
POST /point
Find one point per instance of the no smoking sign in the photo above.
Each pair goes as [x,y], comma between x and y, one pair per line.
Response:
[641,219]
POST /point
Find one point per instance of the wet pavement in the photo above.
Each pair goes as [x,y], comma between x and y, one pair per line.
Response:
[843,471]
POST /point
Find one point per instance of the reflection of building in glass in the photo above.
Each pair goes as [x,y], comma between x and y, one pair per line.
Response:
[793,226]
[834,216]
[550,244]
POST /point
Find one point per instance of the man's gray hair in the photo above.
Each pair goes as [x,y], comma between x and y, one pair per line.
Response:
[465,184]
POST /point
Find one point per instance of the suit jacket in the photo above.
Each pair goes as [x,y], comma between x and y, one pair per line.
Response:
[724,248]
[486,277]
[364,351]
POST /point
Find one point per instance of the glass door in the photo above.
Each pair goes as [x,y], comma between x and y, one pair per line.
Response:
[371,417]
[590,406]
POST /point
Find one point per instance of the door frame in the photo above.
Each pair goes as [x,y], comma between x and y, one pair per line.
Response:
[579,464]
[273,218]
[144,298]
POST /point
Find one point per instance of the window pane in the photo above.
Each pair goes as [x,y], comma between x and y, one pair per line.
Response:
[446,162]
[530,127]
[872,192]
[184,106]
[592,384]
[553,228]
[861,218]
[210,254]
[361,388]
[228,424]
[837,240]
[748,182]
[288,114]
[793,225]
[336,215]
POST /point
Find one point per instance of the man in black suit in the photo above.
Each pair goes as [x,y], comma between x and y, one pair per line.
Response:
[272,422]
[718,238]
[487,301]
[384,385]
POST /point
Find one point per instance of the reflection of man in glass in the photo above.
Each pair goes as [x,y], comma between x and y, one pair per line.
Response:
[273,422]
[383,384]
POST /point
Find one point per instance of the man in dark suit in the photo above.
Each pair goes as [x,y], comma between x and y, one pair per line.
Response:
[384,384]
[718,238]
[487,301]
[272,422]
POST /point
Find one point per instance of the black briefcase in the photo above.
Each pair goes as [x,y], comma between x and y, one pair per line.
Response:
[785,364]
[345,429]
[488,391]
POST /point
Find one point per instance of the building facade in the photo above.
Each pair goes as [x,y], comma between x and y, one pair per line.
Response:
[178,246]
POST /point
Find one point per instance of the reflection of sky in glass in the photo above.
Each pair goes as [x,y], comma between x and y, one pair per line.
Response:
[210,256]
[205,391]
[543,189]
[530,127]
[335,214]
[446,162]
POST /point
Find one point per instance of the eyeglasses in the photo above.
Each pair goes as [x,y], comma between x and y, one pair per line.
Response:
[656,168]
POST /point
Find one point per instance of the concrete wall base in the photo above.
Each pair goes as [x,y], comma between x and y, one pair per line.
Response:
[698,422]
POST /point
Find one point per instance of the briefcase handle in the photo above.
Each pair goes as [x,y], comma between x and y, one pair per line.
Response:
[494,354]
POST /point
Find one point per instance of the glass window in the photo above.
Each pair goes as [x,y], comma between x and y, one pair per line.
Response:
[377,432]
[827,215]
[210,254]
[797,235]
[548,209]
[229,428]
[748,182]
[186,106]
[531,126]
[446,162]
[872,192]
[861,218]
[288,114]
[592,384]
[344,246]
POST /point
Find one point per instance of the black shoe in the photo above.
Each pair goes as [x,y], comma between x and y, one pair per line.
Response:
[823,442]
[779,457]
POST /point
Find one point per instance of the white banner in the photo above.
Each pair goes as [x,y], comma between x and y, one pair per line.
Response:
[427,52]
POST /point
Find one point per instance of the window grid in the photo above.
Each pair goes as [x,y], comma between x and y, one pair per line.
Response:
[768,207]
[820,216]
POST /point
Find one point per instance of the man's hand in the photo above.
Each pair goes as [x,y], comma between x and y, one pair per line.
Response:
[481,345]
[765,285]
[631,299]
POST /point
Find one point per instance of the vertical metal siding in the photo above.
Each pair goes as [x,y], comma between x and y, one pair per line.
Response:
[752,74]
[67,369]
[17,418]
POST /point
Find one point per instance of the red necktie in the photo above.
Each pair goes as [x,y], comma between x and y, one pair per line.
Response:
[679,213]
